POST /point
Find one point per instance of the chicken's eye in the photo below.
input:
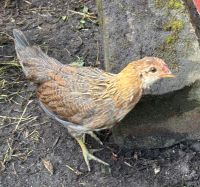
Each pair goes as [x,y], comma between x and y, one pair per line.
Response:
[153,69]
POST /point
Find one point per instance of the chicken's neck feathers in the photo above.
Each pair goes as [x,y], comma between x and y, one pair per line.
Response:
[123,88]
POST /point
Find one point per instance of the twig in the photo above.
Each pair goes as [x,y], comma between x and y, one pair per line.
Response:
[20,119]
[83,14]
[15,118]
[27,2]
[55,142]
[75,171]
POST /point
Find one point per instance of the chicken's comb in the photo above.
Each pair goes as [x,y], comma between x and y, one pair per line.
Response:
[165,68]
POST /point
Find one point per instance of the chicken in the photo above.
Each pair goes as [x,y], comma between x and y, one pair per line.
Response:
[86,99]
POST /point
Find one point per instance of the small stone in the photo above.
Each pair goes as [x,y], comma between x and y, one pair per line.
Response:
[157,170]
[196,146]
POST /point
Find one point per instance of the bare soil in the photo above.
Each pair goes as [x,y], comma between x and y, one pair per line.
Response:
[29,138]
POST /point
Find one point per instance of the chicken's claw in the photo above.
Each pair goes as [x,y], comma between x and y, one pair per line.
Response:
[88,156]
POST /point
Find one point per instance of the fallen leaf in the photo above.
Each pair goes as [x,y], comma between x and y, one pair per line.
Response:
[48,165]
[114,156]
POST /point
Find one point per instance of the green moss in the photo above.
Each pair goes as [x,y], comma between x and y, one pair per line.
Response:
[175,4]
[170,39]
[171,4]
[174,25]
[159,3]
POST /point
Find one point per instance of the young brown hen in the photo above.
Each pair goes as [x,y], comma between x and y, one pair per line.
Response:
[86,99]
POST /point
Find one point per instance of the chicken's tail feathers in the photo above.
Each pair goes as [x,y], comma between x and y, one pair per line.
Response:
[35,63]
[21,41]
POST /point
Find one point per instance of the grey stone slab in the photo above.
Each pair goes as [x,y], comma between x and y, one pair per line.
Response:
[167,29]
[133,29]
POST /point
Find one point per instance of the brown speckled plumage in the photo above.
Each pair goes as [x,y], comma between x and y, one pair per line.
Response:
[86,99]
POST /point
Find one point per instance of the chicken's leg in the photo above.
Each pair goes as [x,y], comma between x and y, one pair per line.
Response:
[88,156]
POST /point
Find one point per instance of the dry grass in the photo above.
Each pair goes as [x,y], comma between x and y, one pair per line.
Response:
[14,93]
[9,78]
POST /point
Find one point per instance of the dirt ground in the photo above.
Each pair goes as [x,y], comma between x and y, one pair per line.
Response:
[31,143]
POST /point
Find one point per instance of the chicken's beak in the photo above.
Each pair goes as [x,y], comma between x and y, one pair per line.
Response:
[167,75]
